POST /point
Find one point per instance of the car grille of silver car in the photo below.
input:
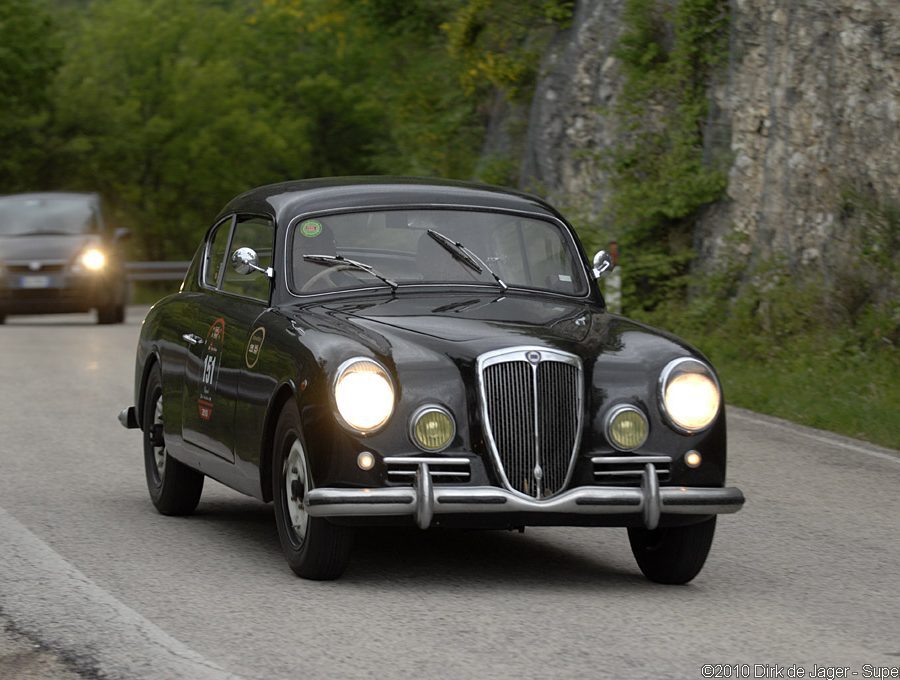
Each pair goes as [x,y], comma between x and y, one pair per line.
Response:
[532,411]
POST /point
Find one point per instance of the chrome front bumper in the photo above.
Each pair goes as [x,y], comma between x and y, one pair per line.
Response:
[424,500]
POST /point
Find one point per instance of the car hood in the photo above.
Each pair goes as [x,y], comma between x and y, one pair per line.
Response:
[463,326]
[43,247]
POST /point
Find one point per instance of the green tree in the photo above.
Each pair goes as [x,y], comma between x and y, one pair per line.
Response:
[29,56]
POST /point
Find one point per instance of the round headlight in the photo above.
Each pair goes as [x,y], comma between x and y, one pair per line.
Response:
[626,428]
[690,395]
[364,395]
[432,428]
[93,259]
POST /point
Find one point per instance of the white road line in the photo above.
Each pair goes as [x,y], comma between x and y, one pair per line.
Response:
[811,433]
[48,599]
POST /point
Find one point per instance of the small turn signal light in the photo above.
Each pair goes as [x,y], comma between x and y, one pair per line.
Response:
[365,460]
[692,459]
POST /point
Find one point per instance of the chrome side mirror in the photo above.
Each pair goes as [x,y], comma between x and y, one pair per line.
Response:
[245,261]
[603,264]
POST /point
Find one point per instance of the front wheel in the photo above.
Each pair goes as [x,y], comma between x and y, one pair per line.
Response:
[314,547]
[174,487]
[672,555]
[111,314]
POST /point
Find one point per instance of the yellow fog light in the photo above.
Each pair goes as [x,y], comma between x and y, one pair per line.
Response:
[432,428]
[93,259]
[627,428]
[364,395]
[692,459]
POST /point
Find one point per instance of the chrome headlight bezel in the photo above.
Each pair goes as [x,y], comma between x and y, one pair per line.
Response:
[677,367]
[608,421]
[341,373]
[414,420]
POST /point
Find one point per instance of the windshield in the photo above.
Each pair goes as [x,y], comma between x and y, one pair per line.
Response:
[524,252]
[21,215]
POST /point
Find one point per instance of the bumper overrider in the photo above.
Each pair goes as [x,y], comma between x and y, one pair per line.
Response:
[423,500]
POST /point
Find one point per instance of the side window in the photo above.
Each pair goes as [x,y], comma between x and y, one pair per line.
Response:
[215,253]
[257,233]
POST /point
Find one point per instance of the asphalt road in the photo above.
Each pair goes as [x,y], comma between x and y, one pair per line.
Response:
[93,580]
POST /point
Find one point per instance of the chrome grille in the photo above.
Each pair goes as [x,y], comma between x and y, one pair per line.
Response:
[531,406]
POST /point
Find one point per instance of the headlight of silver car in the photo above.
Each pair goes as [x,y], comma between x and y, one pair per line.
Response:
[689,395]
[364,395]
[93,259]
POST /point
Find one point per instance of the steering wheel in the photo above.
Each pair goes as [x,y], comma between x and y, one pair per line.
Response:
[325,275]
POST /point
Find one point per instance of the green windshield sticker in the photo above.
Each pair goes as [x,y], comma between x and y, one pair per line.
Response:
[311,228]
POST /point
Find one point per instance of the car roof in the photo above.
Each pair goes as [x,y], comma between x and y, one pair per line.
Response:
[286,200]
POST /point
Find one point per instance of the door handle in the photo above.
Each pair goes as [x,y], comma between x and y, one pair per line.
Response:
[192,338]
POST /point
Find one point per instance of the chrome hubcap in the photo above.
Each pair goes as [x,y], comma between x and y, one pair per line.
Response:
[156,438]
[295,489]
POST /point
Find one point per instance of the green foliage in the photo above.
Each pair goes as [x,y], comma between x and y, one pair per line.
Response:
[500,42]
[659,177]
[29,57]
[818,347]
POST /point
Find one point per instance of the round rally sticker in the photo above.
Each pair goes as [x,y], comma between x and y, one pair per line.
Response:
[311,228]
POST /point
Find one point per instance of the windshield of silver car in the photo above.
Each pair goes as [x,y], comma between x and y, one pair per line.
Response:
[416,247]
[41,215]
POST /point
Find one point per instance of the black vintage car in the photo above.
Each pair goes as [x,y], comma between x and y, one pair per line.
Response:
[58,255]
[381,350]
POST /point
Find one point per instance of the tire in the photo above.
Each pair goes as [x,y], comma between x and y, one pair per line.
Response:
[313,547]
[672,555]
[174,487]
[111,314]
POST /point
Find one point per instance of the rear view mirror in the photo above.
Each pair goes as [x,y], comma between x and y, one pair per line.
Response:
[603,264]
[245,260]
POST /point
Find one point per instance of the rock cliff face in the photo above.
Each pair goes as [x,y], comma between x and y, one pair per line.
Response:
[805,111]
[570,123]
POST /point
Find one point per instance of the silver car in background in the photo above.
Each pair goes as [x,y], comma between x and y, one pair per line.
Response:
[57,254]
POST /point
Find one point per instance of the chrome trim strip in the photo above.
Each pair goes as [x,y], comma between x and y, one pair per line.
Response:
[402,460]
[520,353]
[433,473]
[624,460]
[538,474]
[626,473]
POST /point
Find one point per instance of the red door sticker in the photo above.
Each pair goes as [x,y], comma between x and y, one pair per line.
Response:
[209,367]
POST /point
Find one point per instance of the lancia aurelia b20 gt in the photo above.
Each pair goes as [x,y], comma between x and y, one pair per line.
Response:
[372,351]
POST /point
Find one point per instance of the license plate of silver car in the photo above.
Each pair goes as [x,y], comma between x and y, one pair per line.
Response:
[35,282]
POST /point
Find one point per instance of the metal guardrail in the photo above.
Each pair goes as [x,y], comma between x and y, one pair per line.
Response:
[156,271]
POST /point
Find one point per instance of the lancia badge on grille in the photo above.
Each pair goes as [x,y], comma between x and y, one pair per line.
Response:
[34,266]
[533,357]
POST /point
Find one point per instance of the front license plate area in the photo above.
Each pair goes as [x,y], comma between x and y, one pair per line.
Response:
[32,282]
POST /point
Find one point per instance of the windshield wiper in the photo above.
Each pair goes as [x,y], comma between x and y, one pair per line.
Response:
[332,260]
[462,254]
